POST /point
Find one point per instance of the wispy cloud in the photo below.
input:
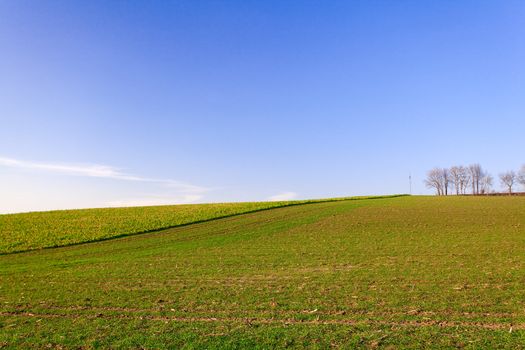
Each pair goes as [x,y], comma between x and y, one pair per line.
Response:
[285,196]
[96,170]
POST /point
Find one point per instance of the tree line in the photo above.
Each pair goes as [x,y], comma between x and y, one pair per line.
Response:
[470,179]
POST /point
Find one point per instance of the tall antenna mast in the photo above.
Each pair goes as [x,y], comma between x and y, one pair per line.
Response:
[410,182]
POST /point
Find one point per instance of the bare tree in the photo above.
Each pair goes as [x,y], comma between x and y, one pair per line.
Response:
[521,175]
[475,172]
[508,179]
[435,180]
[464,179]
[455,177]
[459,177]
[486,183]
[445,176]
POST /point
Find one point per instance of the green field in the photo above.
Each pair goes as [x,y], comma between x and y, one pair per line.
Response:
[27,231]
[406,272]
[36,230]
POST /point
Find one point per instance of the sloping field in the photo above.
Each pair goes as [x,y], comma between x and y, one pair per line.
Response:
[36,230]
[405,272]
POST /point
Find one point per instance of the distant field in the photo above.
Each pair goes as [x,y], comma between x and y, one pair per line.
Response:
[407,272]
[27,231]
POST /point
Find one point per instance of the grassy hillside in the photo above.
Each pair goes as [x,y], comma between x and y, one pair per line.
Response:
[407,272]
[28,231]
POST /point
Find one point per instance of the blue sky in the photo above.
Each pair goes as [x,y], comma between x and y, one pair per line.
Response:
[106,103]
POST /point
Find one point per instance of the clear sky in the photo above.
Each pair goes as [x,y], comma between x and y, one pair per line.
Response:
[106,103]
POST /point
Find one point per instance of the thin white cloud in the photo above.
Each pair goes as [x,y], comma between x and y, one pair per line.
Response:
[285,196]
[96,170]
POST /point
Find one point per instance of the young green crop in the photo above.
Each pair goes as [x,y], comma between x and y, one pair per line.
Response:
[28,231]
[410,272]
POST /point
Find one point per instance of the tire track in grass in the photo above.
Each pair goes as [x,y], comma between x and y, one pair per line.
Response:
[382,313]
[285,321]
